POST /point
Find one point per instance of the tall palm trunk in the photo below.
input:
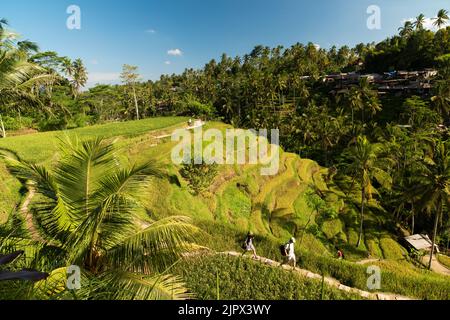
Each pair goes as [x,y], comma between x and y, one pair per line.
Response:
[448,243]
[136,103]
[436,221]
[363,197]
[2,128]
[353,117]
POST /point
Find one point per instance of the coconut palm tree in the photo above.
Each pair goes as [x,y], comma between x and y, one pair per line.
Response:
[406,30]
[90,211]
[370,98]
[364,164]
[361,97]
[419,22]
[76,73]
[355,100]
[441,100]
[67,67]
[3,22]
[433,187]
[441,19]
[80,77]
[19,78]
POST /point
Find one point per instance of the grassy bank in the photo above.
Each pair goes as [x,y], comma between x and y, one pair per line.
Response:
[242,279]
[42,146]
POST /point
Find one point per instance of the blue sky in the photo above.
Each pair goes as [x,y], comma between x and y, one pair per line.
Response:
[143,32]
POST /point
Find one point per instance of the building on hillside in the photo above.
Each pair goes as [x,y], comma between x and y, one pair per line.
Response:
[420,242]
[394,82]
[373,77]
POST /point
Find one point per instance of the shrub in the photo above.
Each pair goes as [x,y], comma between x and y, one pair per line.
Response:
[198,176]
[80,120]
[53,124]
[18,123]
[198,109]
[193,108]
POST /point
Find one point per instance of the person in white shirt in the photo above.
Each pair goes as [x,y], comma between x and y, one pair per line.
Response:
[290,253]
[249,246]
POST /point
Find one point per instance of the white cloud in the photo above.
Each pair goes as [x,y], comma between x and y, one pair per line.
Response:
[150,31]
[167,62]
[317,46]
[175,52]
[94,61]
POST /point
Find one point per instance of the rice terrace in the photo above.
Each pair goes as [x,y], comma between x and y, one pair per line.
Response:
[298,169]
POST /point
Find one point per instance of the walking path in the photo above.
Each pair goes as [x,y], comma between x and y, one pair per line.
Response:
[368,261]
[328,280]
[28,217]
[197,124]
[436,266]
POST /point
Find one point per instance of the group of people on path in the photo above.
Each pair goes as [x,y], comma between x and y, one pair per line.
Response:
[287,250]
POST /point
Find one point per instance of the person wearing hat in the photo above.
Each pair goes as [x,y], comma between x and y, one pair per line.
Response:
[290,253]
[248,245]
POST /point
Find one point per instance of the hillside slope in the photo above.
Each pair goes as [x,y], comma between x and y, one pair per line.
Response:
[241,199]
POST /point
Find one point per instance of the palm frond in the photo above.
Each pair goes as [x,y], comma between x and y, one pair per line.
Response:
[155,247]
[134,286]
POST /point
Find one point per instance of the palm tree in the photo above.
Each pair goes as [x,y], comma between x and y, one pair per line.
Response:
[406,30]
[90,212]
[28,46]
[67,67]
[363,163]
[76,73]
[441,100]
[370,97]
[355,100]
[441,18]
[3,22]
[420,21]
[433,186]
[80,77]
[361,97]
[19,78]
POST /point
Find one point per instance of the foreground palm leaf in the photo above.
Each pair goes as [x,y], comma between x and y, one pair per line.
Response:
[30,275]
[7,258]
[90,212]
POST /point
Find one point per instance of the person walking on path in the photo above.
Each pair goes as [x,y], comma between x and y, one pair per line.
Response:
[290,253]
[248,245]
